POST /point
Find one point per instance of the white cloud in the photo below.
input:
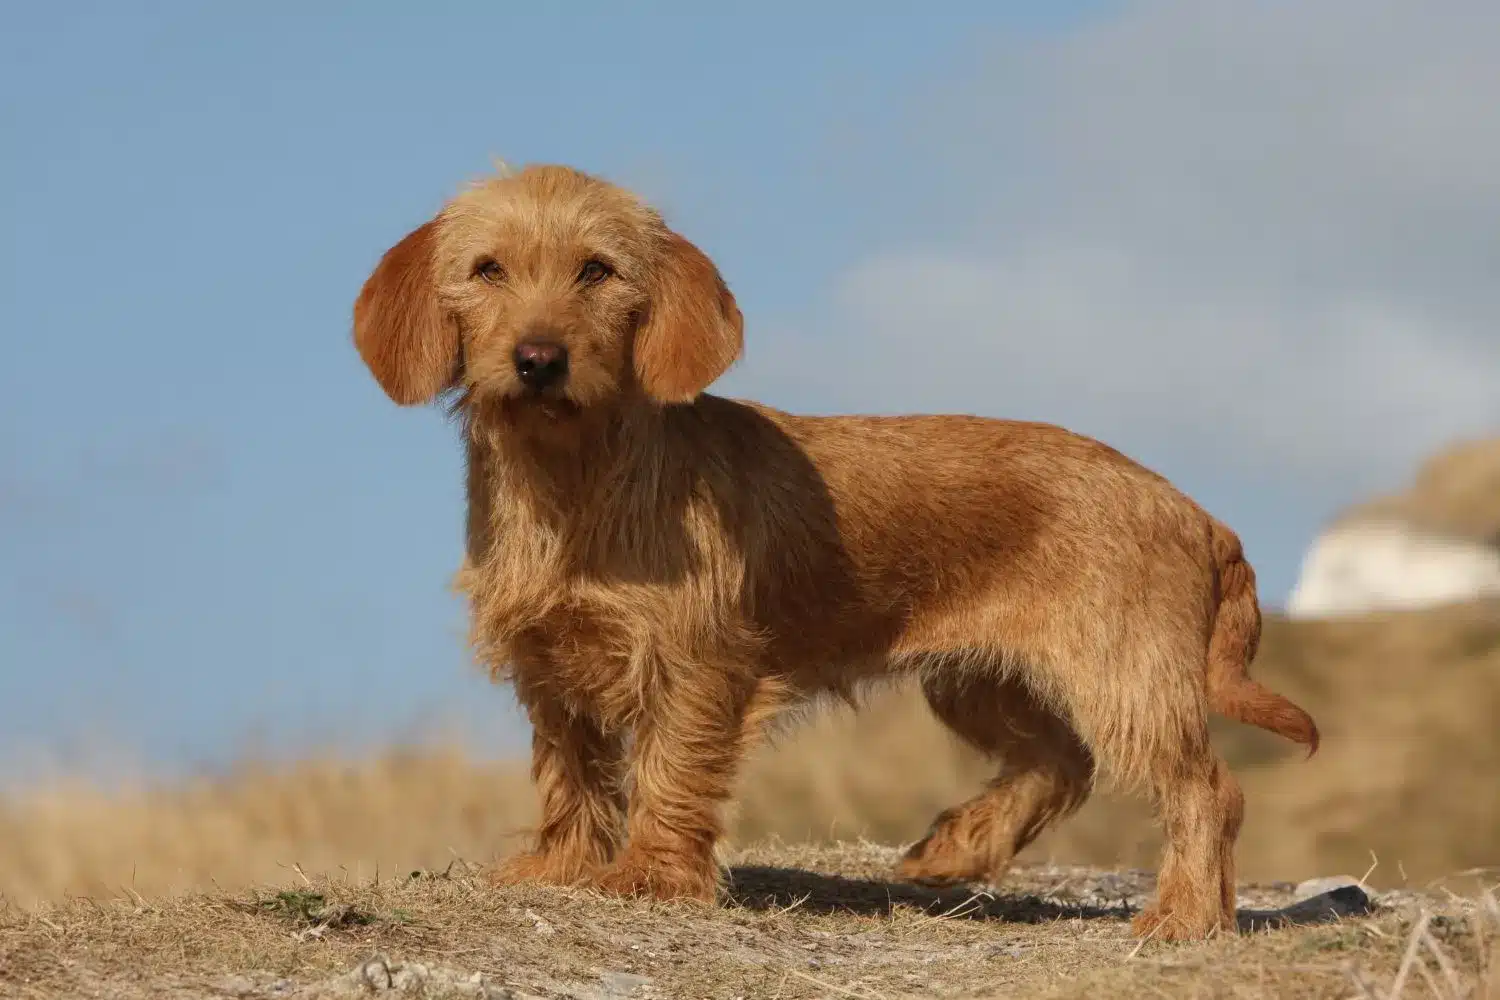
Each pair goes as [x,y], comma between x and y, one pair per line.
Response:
[1266,235]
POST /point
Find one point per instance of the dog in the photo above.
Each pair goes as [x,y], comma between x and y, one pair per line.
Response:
[660,572]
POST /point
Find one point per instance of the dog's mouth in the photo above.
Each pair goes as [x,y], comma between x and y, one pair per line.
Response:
[551,404]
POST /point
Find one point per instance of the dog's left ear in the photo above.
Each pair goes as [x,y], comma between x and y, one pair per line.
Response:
[693,330]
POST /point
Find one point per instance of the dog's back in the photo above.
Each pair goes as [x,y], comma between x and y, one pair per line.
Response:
[944,522]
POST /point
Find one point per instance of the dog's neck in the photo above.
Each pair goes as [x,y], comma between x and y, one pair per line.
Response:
[572,467]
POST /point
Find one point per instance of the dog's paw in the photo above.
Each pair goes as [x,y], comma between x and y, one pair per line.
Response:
[536,868]
[939,871]
[663,879]
[935,861]
[1160,924]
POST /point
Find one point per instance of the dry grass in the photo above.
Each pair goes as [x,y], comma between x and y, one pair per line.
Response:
[398,812]
[796,923]
[1407,703]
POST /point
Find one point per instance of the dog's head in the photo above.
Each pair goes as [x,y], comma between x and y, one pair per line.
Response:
[549,293]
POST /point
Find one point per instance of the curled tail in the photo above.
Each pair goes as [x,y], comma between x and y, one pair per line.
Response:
[1232,692]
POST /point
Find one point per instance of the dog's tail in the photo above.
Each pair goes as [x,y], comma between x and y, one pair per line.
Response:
[1232,692]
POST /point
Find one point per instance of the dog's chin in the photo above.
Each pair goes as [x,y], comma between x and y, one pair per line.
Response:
[548,407]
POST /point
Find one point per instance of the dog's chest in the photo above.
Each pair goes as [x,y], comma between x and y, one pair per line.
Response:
[596,615]
[589,653]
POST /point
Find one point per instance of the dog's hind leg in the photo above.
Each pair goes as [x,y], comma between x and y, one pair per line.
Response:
[1201,808]
[1147,724]
[1046,774]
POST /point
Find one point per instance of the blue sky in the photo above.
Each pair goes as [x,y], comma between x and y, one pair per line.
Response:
[216,533]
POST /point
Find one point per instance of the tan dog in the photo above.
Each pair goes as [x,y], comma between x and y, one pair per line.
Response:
[662,571]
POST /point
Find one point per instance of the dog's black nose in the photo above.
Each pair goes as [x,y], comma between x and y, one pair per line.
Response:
[541,363]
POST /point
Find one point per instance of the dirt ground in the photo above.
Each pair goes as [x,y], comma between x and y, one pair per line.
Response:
[795,922]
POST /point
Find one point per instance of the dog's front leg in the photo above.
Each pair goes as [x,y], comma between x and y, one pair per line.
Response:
[688,748]
[575,765]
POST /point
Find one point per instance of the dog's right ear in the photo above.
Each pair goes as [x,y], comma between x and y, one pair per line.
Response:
[400,331]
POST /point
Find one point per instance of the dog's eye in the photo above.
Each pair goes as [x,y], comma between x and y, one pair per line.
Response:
[489,270]
[594,271]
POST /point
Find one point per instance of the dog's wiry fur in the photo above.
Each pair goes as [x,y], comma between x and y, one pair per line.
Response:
[661,571]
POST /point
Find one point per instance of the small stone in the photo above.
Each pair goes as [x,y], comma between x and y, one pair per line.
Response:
[410,978]
[1347,900]
[1317,886]
[381,975]
[479,985]
[622,984]
[1342,901]
[375,973]
[238,986]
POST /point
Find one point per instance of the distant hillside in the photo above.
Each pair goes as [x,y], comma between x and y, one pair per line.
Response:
[1433,543]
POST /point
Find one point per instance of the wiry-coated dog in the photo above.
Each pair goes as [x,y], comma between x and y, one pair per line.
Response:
[662,571]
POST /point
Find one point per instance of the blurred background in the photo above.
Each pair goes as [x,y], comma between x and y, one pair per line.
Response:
[1252,244]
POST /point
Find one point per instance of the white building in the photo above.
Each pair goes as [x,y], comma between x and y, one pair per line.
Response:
[1436,543]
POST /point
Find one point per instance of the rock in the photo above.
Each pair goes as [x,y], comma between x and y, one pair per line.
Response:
[254,985]
[375,973]
[410,978]
[1339,903]
[622,984]
[1317,886]
[540,924]
[1335,904]
[238,986]
[380,975]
